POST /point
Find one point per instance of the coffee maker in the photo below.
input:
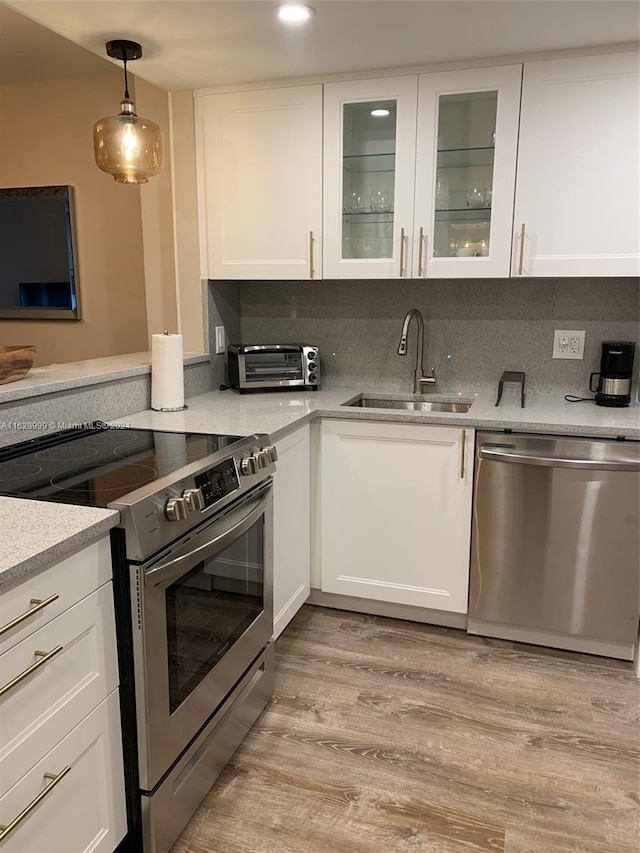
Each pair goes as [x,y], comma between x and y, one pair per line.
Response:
[614,384]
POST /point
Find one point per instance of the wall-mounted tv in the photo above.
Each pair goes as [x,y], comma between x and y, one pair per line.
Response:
[38,278]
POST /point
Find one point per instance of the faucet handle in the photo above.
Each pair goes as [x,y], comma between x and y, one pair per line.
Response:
[429,380]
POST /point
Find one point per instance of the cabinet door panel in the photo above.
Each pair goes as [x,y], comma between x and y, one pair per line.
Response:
[291,528]
[85,811]
[260,183]
[466,166]
[369,172]
[578,168]
[396,512]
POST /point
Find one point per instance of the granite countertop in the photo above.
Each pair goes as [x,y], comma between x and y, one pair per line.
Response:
[74,374]
[36,534]
[278,413]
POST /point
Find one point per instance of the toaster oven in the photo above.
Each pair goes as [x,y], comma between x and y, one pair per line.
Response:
[263,366]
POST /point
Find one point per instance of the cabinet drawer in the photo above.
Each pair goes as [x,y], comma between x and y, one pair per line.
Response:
[39,710]
[69,580]
[85,810]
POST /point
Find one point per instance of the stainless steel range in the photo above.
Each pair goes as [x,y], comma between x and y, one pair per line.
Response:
[194,597]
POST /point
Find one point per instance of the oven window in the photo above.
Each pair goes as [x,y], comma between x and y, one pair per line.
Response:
[209,608]
[263,366]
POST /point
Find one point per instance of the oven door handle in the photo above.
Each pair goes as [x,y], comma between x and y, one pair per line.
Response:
[168,572]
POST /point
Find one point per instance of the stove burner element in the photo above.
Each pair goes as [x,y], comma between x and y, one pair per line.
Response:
[123,480]
[66,453]
[18,471]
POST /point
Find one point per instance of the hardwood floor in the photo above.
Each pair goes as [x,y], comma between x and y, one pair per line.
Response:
[386,735]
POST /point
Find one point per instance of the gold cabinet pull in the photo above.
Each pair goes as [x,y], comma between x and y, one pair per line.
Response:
[420,248]
[45,657]
[464,441]
[5,830]
[402,270]
[521,264]
[37,604]
[311,269]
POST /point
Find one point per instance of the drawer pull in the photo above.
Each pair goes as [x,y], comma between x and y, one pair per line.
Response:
[38,604]
[5,830]
[44,658]
[464,440]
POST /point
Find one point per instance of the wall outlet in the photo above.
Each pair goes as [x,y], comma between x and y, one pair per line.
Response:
[568,343]
[220,341]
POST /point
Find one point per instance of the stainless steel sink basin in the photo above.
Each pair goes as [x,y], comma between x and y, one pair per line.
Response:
[410,404]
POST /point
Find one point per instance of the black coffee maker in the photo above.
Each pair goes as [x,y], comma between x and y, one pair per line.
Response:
[616,364]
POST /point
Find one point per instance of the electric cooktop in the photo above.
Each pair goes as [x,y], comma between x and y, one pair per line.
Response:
[97,465]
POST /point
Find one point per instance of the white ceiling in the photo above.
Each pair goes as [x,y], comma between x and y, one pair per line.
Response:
[199,43]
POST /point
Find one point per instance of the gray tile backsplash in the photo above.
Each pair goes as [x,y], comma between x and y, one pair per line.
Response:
[475,328]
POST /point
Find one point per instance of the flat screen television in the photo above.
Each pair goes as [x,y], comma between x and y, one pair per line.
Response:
[37,260]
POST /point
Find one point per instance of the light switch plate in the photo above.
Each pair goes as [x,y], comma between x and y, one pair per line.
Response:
[220,342]
[568,343]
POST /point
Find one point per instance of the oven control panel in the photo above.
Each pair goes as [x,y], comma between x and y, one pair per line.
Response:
[216,483]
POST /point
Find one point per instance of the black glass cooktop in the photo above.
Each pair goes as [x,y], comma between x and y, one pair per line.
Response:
[95,466]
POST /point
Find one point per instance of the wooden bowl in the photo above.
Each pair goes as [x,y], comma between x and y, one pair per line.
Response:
[15,362]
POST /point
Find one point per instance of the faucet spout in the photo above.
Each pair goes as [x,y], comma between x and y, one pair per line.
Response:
[419,378]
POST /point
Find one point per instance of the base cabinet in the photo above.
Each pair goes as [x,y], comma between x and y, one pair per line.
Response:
[291,528]
[395,512]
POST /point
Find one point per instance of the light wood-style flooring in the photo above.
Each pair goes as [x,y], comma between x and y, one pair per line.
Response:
[387,735]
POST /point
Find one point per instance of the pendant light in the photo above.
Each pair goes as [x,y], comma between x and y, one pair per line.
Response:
[128,147]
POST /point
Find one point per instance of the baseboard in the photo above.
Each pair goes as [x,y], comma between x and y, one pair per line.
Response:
[286,614]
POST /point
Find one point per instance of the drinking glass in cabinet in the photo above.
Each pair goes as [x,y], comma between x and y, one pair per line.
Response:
[464,174]
[368,179]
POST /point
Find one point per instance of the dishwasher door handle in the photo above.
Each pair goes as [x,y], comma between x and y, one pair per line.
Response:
[559,461]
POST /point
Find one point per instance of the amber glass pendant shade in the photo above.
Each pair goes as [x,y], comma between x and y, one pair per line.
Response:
[126,146]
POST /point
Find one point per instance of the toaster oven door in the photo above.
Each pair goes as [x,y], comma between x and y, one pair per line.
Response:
[271,367]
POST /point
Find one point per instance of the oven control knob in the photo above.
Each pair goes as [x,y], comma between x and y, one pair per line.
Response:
[177,509]
[272,453]
[249,465]
[194,499]
[262,458]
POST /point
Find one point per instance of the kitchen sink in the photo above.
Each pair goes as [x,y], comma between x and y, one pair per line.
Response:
[410,404]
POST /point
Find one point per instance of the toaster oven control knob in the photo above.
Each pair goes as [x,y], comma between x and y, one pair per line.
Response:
[272,453]
[312,377]
[312,365]
[194,499]
[249,465]
[177,509]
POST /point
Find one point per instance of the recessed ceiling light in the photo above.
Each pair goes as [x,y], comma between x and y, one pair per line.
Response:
[295,13]
[379,113]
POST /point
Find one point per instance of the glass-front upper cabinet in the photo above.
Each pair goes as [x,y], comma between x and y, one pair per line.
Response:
[369,177]
[465,174]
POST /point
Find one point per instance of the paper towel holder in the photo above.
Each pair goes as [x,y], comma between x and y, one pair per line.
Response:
[177,408]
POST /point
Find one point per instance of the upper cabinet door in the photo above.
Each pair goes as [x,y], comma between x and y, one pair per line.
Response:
[259,158]
[577,192]
[369,173]
[466,166]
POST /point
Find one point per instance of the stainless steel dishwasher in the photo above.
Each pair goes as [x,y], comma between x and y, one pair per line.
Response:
[555,552]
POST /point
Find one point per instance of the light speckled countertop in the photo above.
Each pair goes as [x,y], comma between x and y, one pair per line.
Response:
[75,374]
[36,534]
[278,413]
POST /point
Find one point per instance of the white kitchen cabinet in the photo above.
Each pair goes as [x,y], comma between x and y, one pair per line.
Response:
[59,709]
[84,811]
[369,177]
[291,527]
[465,172]
[259,162]
[427,189]
[577,199]
[395,512]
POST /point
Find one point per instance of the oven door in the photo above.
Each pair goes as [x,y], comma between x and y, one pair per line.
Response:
[205,612]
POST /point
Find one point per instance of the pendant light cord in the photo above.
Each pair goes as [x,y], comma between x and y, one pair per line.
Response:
[126,81]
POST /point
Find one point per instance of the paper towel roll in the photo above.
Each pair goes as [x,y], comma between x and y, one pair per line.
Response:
[167,372]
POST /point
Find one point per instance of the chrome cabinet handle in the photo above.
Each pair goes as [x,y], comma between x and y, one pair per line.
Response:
[55,780]
[420,248]
[38,605]
[464,441]
[311,270]
[521,264]
[45,657]
[402,270]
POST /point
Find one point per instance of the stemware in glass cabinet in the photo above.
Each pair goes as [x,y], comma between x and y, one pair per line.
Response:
[464,174]
[368,179]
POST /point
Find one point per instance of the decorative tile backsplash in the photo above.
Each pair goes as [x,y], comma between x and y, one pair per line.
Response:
[474,328]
